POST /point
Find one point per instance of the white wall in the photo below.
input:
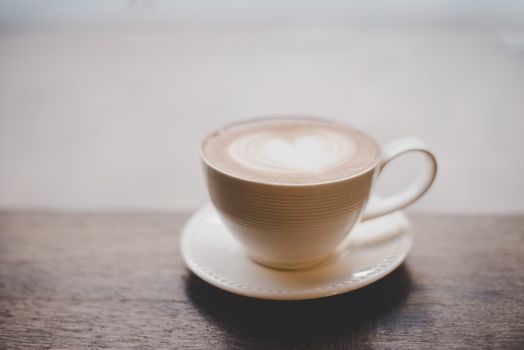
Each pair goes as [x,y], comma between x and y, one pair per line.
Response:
[81,12]
[111,116]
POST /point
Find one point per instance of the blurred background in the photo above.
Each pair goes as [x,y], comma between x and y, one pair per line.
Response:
[103,104]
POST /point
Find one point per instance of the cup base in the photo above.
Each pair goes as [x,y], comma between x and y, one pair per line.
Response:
[294,265]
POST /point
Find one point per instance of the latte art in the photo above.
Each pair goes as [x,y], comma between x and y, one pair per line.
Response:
[290,151]
[309,152]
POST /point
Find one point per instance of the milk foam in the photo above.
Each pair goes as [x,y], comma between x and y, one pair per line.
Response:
[290,151]
[310,151]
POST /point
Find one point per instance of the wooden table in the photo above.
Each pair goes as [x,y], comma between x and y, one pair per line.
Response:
[76,281]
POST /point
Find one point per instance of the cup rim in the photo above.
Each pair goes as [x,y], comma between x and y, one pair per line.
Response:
[290,118]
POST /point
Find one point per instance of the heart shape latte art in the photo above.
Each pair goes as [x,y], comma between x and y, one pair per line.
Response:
[308,152]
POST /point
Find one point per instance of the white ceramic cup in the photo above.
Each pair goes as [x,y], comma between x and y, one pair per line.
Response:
[296,226]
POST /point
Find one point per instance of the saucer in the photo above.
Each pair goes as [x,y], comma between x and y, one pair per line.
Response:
[373,249]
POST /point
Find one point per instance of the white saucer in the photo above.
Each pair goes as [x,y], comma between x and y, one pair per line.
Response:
[373,250]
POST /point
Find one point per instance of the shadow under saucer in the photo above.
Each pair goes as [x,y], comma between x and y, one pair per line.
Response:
[302,324]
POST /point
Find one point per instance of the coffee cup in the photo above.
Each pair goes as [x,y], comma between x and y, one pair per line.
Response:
[291,189]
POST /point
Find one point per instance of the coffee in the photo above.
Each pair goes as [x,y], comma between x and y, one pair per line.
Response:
[291,151]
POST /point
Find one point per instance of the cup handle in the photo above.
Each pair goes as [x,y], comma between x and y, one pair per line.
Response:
[416,189]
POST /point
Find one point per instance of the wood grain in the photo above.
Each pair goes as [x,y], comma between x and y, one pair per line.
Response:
[89,281]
